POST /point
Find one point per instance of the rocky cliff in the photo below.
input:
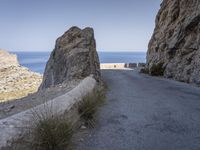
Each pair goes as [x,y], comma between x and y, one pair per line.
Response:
[16,81]
[74,57]
[7,60]
[174,49]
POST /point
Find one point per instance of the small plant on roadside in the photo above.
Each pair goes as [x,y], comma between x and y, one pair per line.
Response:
[144,70]
[89,105]
[50,130]
[157,70]
[52,133]
[46,132]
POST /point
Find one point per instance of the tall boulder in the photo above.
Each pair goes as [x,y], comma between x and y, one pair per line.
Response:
[74,57]
[174,49]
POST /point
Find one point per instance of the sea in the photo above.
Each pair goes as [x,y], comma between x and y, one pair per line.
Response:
[36,61]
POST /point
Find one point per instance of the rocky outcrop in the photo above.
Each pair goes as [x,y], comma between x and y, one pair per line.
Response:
[74,57]
[7,60]
[174,49]
[16,81]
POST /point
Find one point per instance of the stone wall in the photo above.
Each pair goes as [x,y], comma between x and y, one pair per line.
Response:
[121,65]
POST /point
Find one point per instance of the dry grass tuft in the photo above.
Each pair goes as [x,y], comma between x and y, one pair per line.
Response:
[89,105]
[52,134]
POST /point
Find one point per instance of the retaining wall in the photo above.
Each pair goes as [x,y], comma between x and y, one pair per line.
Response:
[121,65]
[112,65]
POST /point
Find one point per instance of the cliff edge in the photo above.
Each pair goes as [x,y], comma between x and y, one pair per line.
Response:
[174,49]
[16,81]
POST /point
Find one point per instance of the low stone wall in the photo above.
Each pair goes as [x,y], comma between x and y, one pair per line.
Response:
[112,65]
[121,65]
[13,126]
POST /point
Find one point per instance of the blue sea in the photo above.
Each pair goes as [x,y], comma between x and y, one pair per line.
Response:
[36,61]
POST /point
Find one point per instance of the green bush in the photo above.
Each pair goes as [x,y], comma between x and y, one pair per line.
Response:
[157,70]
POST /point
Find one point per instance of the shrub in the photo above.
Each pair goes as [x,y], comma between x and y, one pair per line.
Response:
[89,105]
[52,133]
[157,70]
[144,70]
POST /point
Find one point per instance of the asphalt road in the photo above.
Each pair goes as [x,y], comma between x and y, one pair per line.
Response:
[145,113]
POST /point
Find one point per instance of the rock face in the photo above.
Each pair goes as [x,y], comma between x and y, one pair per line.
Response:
[16,81]
[7,60]
[74,57]
[174,49]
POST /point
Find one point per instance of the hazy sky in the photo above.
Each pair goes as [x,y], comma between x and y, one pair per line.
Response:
[34,25]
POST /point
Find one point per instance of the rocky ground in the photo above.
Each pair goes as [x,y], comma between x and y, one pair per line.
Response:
[16,81]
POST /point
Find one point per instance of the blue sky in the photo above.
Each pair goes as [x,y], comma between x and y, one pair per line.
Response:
[34,25]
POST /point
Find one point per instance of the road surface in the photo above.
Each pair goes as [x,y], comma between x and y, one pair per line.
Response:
[145,113]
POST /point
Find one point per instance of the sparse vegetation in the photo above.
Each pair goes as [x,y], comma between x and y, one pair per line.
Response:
[52,133]
[90,104]
[157,70]
[13,95]
[144,70]
[46,133]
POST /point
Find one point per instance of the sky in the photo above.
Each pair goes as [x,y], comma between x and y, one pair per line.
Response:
[119,25]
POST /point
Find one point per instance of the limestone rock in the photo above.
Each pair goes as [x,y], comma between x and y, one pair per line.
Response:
[7,60]
[174,49]
[74,57]
[16,81]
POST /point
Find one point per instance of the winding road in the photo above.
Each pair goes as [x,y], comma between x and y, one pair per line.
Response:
[145,113]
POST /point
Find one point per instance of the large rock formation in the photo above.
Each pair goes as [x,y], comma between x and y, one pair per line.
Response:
[74,57]
[16,81]
[174,49]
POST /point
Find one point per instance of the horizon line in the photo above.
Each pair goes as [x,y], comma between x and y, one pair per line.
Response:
[120,51]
